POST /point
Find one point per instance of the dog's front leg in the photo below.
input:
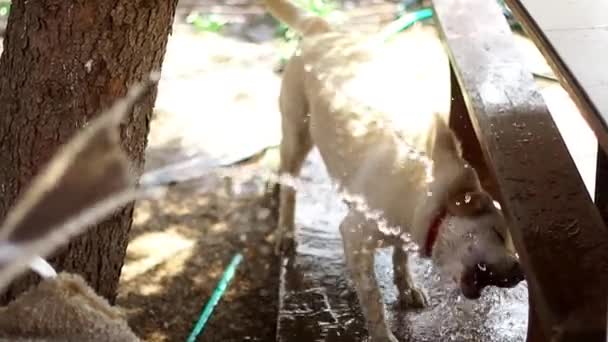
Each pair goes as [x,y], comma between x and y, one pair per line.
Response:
[296,143]
[359,253]
[410,296]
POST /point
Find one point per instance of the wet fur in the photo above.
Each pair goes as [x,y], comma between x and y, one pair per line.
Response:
[408,174]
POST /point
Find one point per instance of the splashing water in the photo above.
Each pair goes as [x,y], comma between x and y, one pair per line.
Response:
[197,167]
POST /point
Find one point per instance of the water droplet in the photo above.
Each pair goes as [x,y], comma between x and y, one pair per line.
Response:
[88,65]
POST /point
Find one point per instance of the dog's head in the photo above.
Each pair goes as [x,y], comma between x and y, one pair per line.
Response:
[473,245]
[467,238]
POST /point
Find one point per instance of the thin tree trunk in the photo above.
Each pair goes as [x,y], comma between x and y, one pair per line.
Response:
[63,61]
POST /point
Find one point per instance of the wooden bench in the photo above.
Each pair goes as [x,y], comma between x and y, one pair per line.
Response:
[574,40]
[559,234]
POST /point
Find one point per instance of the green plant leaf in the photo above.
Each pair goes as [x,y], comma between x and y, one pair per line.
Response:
[206,23]
[5,8]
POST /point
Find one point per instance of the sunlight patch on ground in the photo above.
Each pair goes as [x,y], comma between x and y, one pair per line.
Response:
[219,227]
[157,336]
[217,97]
[141,216]
[152,249]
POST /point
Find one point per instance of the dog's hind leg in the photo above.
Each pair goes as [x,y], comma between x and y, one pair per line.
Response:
[410,296]
[296,143]
[359,254]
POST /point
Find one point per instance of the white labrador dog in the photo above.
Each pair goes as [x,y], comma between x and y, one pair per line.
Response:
[412,173]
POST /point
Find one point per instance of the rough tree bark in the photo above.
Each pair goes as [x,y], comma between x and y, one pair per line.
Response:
[63,61]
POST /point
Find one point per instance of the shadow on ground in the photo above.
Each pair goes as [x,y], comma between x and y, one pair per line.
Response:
[178,251]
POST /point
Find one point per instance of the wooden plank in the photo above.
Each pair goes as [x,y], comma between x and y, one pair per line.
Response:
[601,184]
[573,37]
[460,123]
[559,235]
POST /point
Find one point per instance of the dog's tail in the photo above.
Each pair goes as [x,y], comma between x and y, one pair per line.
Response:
[296,18]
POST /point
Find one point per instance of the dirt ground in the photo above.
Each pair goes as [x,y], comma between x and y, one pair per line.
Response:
[181,244]
[179,249]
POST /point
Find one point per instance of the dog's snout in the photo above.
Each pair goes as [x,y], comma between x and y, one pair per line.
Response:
[483,273]
[507,274]
[474,279]
[500,275]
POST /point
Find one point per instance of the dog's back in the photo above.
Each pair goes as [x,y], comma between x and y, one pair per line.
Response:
[353,93]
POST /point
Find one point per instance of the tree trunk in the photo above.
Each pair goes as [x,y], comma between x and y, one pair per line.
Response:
[63,62]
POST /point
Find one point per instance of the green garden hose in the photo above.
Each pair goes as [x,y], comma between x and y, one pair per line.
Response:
[217,294]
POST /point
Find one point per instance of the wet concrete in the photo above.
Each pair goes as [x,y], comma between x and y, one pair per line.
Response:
[318,302]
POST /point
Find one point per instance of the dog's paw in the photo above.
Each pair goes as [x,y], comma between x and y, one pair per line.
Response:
[413,298]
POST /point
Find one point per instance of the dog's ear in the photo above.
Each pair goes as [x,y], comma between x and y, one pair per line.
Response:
[469,203]
[443,141]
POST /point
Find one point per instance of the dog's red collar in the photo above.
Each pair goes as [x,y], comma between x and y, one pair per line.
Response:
[433,231]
